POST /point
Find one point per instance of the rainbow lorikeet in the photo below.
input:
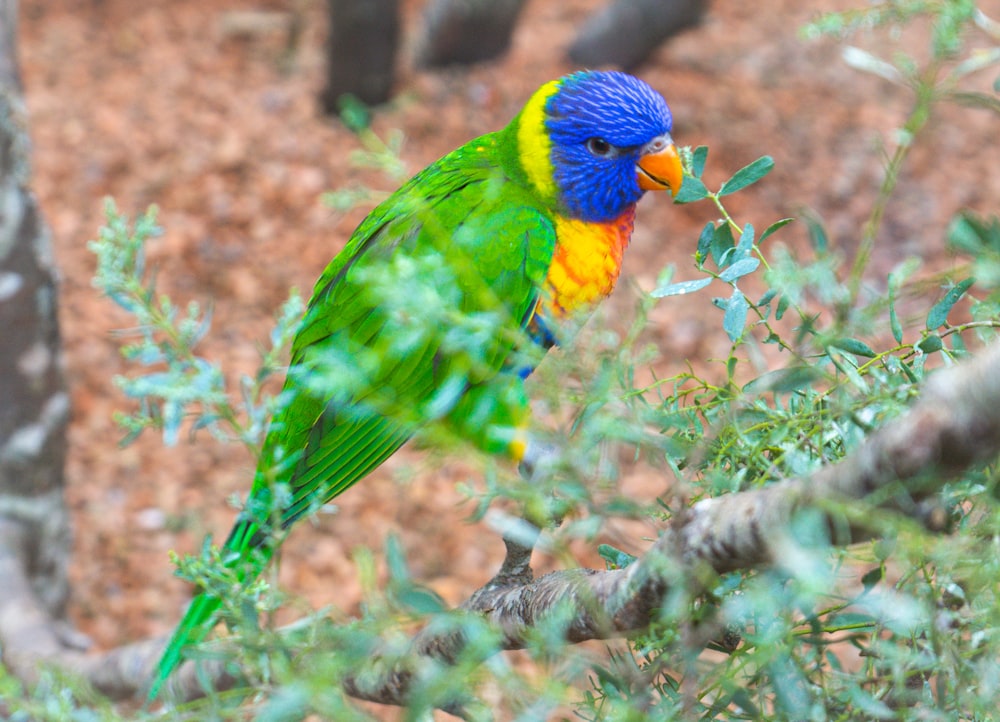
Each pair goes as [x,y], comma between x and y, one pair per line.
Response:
[445,297]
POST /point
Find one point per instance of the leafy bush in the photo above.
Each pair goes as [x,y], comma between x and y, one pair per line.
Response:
[901,628]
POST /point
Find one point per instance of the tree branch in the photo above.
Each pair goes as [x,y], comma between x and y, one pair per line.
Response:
[955,424]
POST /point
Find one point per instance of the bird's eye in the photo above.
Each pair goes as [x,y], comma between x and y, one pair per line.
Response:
[599,147]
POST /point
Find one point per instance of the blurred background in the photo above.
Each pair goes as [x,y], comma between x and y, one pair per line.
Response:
[207,109]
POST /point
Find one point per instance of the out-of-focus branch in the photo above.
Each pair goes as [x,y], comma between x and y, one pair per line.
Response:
[955,424]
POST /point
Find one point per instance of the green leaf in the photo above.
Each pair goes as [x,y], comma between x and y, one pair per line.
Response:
[173,415]
[742,697]
[851,620]
[853,345]
[354,113]
[783,304]
[692,190]
[791,689]
[747,175]
[883,548]
[739,269]
[908,370]
[745,244]
[698,158]
[289,702]
[871,578]
[735,317]
[833,661]
[817,234]
[769,295]
[396,560]
[705,241]
[930,344]
[419,599]
[939,313]
[774,227]
[971,99]
[722,244]
[681,287]
[666,275]
[894,324]
[973,235]
[783,380]
[847,366]
[616,558]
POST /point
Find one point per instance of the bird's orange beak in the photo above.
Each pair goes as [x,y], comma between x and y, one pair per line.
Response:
[660,167]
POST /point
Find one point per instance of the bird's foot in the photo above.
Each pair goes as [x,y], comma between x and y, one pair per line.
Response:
[541,459]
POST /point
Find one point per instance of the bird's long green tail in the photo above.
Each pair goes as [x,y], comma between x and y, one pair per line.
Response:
[200,618]
[195,626]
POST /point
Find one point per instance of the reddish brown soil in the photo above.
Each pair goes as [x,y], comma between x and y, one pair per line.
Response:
[159,103]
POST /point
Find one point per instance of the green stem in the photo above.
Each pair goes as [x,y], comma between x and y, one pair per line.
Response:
[926,93]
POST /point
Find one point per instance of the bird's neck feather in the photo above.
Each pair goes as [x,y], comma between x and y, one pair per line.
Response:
[586,263]
[528,136]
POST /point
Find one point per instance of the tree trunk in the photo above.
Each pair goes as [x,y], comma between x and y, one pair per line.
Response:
[34,404]
[360,51]
[627,32]
[466,31]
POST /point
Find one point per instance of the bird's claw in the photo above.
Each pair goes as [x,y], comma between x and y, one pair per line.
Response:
[540,460]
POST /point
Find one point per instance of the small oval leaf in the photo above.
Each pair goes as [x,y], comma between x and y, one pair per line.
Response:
[783,380]
[871,578]
[854,346]
[939,313]
[681,287]
[894,324]
[817,234]
[705,241]
[735,318]
[777,225]
[747,175]
[698,158]
[930,344]
[692,189]
[616,558]
[722,244]
[739,269]
[783,304]
[419,599]
[745,244]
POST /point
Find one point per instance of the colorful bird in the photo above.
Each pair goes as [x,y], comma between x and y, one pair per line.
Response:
[445,297]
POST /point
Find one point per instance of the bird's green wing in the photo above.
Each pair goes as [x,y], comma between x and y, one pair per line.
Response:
[424,302]
[415,317]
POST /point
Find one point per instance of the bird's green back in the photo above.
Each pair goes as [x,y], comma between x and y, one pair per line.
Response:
[423,305]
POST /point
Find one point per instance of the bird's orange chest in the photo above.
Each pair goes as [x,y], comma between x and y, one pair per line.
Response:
[585,264]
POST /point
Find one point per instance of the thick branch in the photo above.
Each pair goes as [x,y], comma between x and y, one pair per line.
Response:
[954,425]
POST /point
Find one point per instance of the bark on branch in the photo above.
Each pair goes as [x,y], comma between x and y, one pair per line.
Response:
[954,425]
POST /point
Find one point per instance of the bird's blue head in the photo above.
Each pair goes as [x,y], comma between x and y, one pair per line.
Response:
[595,141]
